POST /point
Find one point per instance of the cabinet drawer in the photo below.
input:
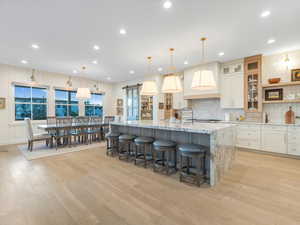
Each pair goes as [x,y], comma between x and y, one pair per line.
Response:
[294,149]
[270,128]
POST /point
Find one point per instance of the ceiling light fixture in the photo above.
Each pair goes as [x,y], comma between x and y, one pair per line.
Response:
[33,78]
[95,62]
[265,14]
[35,46]
[75,71]
[149,87]
[24,61]
[160,69]
[131,72]
[168,4]
[108,78]
[203,79]
[83,93]
[171,83]
[221,54]
[271,41]
[96,47]
[97,87]
[186,62]
[123,31]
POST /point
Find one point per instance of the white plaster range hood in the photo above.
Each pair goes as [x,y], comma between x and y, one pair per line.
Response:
[190,93]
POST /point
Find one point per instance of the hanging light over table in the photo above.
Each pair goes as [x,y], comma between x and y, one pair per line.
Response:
[171,83]
[83,93]
[149,87]
[203,79]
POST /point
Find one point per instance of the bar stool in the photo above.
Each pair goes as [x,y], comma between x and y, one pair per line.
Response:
[164,162]
[125,146]
[112,143]
[143,150]
[188,172]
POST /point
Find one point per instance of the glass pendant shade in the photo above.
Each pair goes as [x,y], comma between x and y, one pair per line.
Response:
[83,94]
[171,84]
[203,79]
[149,88]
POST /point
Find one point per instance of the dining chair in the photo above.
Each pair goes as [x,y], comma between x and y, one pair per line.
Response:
[95,129]
[51,121]
[31,137]
[107,120]
[80,132]
[62,135]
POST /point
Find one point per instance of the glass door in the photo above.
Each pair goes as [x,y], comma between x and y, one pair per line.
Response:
[133,106]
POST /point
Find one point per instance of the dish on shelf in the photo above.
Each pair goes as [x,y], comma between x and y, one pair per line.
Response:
[274,80]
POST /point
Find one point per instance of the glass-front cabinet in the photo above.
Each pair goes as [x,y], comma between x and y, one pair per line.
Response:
[252,84]
[132,102]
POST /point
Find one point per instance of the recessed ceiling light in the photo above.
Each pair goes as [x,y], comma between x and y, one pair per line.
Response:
[185,62]
[160,69]
[221,53]
[271,41]
[35,46]
[96,47]
[168,4]
[131,72]
[95,62]
[24,61]
[108,78]
[123,31]
[265,14]
[75,71]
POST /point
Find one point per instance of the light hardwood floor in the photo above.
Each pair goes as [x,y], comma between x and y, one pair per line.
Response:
[89,188]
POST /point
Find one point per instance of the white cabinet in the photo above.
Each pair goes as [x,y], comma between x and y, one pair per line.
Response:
[248,136]
[232,85]
[188,78]
[294,141]
[274,139]
[232,91]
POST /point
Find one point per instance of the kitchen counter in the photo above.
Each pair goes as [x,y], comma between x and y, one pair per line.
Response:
[196,127]
[259,123]
[218,137]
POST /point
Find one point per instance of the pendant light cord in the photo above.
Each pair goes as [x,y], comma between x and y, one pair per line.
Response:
[203,49]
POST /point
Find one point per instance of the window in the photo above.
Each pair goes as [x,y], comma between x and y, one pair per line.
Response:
[30,102]
[94,106]
[66,103]
[133,96]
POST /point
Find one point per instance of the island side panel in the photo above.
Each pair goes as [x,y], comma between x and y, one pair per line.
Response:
[222,153]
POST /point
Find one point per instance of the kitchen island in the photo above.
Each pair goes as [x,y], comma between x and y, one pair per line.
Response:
[219,138]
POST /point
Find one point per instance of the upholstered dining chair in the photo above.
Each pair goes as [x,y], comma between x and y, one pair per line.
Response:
[107,120]
[31,137]
[95,130]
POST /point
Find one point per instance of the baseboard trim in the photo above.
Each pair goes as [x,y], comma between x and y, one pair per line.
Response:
[268,153]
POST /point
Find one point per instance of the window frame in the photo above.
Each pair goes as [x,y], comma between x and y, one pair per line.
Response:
[94,105]
[31,103]
[68,104]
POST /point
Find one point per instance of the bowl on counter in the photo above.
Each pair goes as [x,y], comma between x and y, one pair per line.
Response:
[274,80]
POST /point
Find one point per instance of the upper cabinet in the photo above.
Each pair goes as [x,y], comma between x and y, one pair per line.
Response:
[190,93]
[252,84]
[232,84]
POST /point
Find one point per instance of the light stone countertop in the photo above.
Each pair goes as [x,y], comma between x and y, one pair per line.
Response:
[197,127]
[258,123]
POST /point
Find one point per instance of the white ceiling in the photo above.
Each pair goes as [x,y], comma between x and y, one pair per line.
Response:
[66,31]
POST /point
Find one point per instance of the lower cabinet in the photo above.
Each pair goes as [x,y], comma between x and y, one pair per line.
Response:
[294,141]
[274,139]
[270,138]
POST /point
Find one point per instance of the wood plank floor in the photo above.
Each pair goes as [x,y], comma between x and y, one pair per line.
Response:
[89,188]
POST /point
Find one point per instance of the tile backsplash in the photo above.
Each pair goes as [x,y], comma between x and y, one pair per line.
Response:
[211,109]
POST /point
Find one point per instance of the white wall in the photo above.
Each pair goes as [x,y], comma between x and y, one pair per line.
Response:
[12,131]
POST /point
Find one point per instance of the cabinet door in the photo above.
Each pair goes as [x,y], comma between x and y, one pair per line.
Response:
[237,90]
[226,96]
[274,140]
[294,141]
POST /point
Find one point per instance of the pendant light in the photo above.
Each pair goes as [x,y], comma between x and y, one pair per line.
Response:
[97,87]
[149,87]
[83,93]
[203,79]
[69,84]
[171,83]
[33,78]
